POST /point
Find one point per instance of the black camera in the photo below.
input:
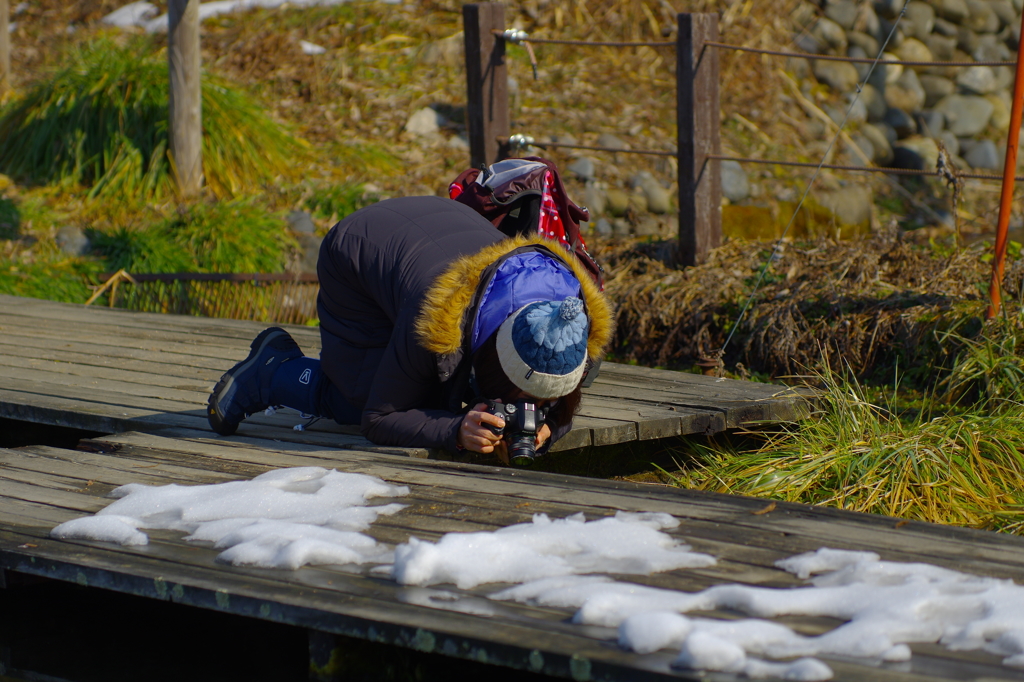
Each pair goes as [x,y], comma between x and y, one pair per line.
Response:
[522,420]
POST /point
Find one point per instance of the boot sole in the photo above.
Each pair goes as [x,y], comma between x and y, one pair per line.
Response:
[214,414]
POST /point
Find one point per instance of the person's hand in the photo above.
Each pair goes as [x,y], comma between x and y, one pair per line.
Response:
[475,436]
[543,433]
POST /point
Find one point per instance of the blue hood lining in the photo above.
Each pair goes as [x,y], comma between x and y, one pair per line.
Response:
[520,280]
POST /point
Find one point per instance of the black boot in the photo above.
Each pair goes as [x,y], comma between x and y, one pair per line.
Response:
[245,388]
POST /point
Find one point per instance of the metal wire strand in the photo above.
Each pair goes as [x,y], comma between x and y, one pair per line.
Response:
[865,169]
[853,60]
[516,36]
[614,150]
[810,183]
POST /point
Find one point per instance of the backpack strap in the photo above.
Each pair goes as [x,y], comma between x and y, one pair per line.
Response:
[496,192]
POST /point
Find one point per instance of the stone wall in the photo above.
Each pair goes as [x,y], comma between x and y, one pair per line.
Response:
[904,113]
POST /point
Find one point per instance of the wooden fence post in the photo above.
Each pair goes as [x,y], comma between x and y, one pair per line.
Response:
[5,47]
[700,179]
[486,82]
[186,123]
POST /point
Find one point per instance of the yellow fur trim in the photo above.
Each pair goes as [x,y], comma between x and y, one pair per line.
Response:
[439,325]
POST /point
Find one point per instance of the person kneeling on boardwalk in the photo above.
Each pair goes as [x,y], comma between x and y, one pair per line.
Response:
[427,312]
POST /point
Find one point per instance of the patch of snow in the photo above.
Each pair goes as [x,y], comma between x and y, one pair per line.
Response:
[806,565]
[281,519]
[292,517]
[625,543]
[133,14]
[213,9]
[311,48]
[124,530]
[886,605]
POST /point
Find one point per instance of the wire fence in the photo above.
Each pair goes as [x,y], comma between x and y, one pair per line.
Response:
[862,169]
[270,298]
[853,60]
[708,146]
[521,37]
[290,298]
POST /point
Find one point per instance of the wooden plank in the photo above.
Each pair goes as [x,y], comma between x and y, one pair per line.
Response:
[90,346]
[60,327]
[685,383]
[47,517]
[700,181]
[77,412]
[432,511]
[99,406]
[19,306]
[818,526]
[79,469]
[430,515]
[64,499]
[157,371]
[606,431]
[166,554]
[171,350]
[164,365]
[126,399]
[654,420]
[806,626]
[580,437]
[116,375]
[397,529]
[776,403]
[391,621]
[108,381]
[777,571]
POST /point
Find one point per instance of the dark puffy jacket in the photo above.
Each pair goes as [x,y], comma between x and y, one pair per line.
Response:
[400,282]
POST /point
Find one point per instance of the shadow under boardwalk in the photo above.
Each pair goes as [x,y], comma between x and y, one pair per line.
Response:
[41,487]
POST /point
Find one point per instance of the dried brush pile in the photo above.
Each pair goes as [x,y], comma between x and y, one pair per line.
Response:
[871,304]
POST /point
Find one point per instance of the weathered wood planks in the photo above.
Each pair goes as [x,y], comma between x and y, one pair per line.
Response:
[110,370]
[42,486]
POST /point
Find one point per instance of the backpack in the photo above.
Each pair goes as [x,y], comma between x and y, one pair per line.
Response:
[526,196]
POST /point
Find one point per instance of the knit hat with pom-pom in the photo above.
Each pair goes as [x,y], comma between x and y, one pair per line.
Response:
[542,347]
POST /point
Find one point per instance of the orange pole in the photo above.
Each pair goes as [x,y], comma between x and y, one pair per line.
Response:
[1006,199]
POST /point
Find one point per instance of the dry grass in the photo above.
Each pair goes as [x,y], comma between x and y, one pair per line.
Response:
[870,302]
[963,468]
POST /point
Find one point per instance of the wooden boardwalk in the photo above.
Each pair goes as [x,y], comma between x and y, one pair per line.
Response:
[109,371]
[43,486]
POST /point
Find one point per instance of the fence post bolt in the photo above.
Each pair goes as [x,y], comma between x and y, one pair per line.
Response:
[487,116]
[700,179]
[186,126]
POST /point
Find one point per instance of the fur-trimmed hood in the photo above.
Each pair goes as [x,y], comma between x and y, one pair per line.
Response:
[442,322]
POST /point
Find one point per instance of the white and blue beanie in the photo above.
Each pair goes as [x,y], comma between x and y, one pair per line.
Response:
[542,347]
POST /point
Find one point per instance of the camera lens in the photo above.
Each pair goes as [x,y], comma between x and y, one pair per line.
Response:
[521,450]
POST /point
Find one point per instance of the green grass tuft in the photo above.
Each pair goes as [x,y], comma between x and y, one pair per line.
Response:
[228,236]
[53,276]
[102,123]
[10,219]
[338,201]
[961,467]
[988,370]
